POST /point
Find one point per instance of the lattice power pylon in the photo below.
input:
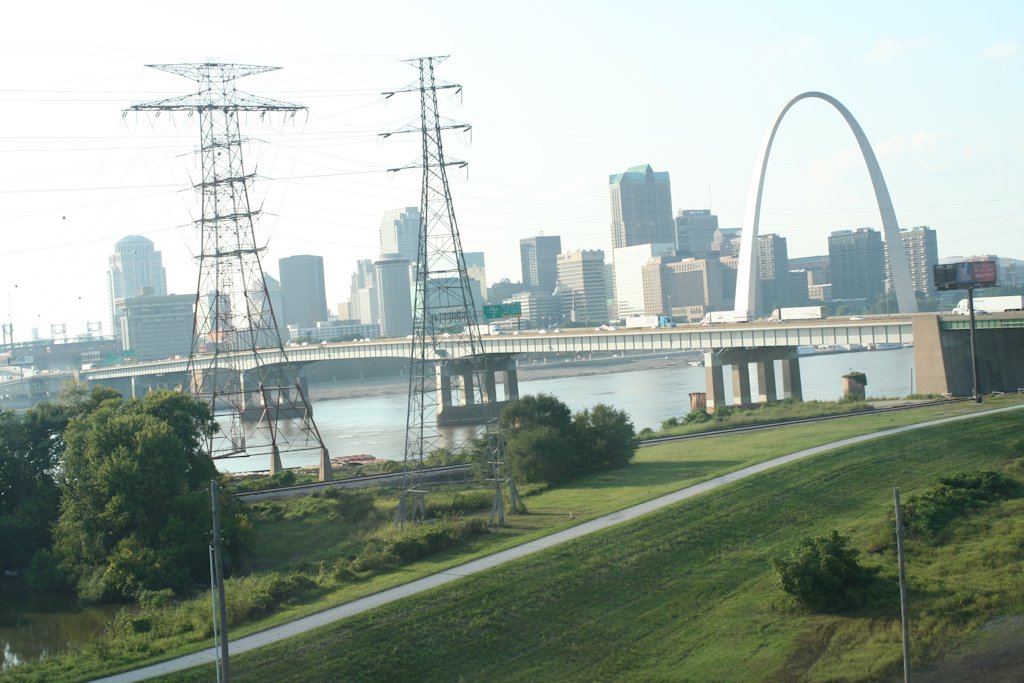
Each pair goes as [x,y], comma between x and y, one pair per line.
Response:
[238,363]
[446,362]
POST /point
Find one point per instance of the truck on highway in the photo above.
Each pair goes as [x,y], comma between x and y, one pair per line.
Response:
[648,322]
[799,313]
[991,304]
[716,317]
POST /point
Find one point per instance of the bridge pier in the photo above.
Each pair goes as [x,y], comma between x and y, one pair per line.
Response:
[791,385]
[766,387]
[740,360]
[458,374]
[741,384]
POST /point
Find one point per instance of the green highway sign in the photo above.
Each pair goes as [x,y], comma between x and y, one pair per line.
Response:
[496,311]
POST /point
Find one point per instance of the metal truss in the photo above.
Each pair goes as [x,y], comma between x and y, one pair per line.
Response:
[263,410]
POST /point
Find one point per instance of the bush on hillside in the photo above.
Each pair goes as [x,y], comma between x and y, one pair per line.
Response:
[955,495]
[823,573]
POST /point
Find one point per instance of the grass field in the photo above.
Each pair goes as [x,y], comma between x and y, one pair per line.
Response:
[305,536]
[688,594]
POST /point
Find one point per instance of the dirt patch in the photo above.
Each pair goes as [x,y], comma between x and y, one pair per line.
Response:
[808,650]
[994,654]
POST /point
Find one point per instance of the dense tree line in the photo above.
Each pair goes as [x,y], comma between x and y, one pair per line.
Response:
[545,442]
[107,496]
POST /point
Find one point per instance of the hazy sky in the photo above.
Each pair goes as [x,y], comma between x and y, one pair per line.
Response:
[560,95]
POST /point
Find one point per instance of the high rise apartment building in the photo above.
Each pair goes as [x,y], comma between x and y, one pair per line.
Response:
[922,249]
[857,261]
[400,231]
[641,202]
[695,231]
[134,265]
[303,292]
[581,286]
[539,256]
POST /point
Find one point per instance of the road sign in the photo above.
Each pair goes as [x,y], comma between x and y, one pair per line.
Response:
[497,311]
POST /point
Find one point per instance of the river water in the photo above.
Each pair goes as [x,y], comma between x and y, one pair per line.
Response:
[375,425]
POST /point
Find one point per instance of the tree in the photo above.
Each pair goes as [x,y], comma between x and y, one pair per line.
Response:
[541,410]
[30,446]
[134,514]
[538,434]
[545,442]
[540,454]
[607,438]
[823,573]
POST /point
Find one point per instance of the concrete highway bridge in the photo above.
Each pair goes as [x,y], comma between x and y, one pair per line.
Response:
[942,359]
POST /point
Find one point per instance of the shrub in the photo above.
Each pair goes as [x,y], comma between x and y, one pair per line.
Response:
[458,502]
[697,417]
[353,505]
[823,574]
[955,495]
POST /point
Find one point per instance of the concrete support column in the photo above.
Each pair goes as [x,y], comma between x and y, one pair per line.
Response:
[511,381]
[490,386]
[444,388]
[133,387]
[741,382]
[326,471]
[766,389]
[714,380]
[275,460]
[791,387]
[468,388]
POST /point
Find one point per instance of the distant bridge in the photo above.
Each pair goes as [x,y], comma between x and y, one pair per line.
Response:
[941,355]
[781,338]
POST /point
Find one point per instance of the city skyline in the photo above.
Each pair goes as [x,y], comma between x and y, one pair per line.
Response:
[80,176]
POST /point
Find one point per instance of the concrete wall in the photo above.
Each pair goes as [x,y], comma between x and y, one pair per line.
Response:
[942,358]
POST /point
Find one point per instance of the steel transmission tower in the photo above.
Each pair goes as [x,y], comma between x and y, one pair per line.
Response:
[238,362]
[446,360]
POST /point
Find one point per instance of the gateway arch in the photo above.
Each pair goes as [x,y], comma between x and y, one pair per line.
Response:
[746,277]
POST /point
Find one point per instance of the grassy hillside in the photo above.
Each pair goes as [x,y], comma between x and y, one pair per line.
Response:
[688,594]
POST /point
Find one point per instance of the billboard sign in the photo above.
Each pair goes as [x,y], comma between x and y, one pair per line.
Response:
[965,275]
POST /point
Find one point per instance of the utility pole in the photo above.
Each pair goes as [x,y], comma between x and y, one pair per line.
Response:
[974,355]
[446,356]
[904,607]
[237,364]
[221,612]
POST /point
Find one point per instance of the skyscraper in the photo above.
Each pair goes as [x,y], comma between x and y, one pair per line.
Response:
[641,207]
[773,271]
[922,250]
[394,305]
[581,286]
[400,231]
[695,231]
[303,293]
[539,256]
[857,261]
[133,266]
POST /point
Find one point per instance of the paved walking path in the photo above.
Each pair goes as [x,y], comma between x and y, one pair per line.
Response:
[361,605]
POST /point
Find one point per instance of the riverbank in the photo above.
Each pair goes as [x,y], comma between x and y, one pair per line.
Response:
[383,386]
